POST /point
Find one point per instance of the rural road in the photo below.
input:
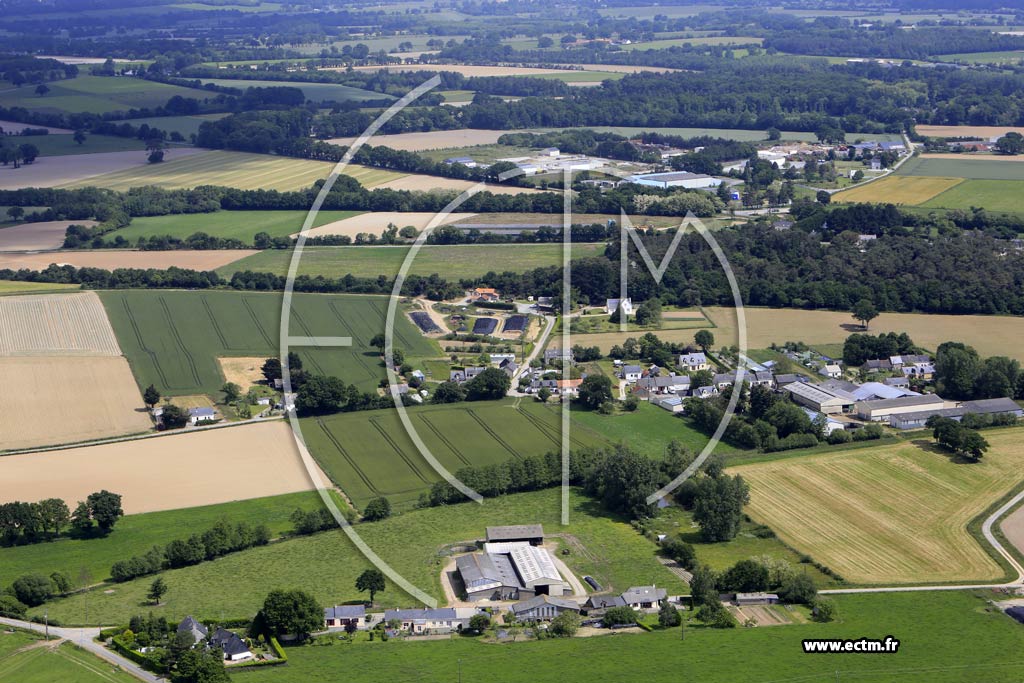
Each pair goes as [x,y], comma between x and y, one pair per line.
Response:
[542,340]
[84,637]
[986,530]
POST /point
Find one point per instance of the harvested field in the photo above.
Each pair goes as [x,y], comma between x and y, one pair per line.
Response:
[377,222]
[464,69]
[67,400]
[990,335]
[425,183]
[984,132]
[77,168]
[895,513]
[36,236]
[240,225]
[165,472]
[8,287]
[15,127]
[1012,527]
[231,169]
[124,258]
[898,189]
[55,324]
[438,139]
[973,156]
[243,371]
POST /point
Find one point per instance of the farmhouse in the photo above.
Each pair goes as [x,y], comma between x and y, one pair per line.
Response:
[201,415]
[664,181]
[233,647]
[662,386]
[693,362]
[485,294]
[557,355]
[612,305]
[193,627]
[632,373]
[460,375]
[442,619]
[644,597]
[597,605]
[341,616]
[543,608]
[705,392]
[882,410]
[820,398]
[831,370]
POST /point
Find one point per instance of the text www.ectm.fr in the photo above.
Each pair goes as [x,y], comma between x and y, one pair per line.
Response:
[887,645]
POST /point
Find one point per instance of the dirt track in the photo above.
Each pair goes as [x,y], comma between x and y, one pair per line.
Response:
[165,472]
[125,258]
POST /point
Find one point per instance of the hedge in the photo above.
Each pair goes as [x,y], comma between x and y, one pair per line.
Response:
[497,305]
[145,661]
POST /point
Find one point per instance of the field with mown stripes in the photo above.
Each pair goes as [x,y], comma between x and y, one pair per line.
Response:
[173,338]
[370,454]
[897,513]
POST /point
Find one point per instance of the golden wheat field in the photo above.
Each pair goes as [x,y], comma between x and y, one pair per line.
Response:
[48,400]
[895,513]
[898,189]
[165,472]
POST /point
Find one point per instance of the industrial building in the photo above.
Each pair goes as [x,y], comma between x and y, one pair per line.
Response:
[691,181]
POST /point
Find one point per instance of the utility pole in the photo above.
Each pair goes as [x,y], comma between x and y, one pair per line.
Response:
[460,671]
[46,618]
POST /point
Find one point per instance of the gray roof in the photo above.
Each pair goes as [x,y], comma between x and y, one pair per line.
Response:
[514,532]
[991,405]
[190,623]
[202,412]
[229,642]
[481,569]
[923,415]
[788,378]
[433,614]
[816,393]
[901,402]
[643,594]
[605,601]
[541,600]
[632,369]
[345,612]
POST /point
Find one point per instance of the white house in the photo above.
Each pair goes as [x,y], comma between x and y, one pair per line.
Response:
[201,415]
[693,362]
[612,305]
[632,373]
[340,616]
[831,370]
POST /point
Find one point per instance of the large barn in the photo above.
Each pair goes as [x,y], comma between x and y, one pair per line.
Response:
[513,569]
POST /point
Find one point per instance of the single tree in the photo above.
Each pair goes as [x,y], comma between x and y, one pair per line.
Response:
[864,311]
[15,213]
[371,580]
[705,339]
[565,625]
[823,610]
[479,622]
[79,136]
[200,665]
[377,509]
[32,589]
[232,392]
[543,394]
[292,612]
[157,590]
[151,396]
[595,390]
[379,341]
[668,615]
[106,508]
[174,416]
[42,89]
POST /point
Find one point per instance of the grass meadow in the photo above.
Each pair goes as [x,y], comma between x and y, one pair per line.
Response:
[897,513]
[992,195]
[898,189]
[317,92]
[371,454]
[452,261]
[172,339]
[945,638]
[67,663]
[240,225]
[61,145]
[186,125]
[413,543]
[233,169]
[18,287]
[971,168]
[78,558]
[96,95]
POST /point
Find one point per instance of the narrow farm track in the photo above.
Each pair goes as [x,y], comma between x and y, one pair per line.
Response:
[445,440]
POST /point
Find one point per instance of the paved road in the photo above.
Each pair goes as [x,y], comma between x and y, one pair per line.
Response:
[84,637]
[542,340]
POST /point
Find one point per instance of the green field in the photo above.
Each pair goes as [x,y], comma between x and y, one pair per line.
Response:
[96,95]
[945,638]
[233,169]
[66,663]
[583,76]
[318,92]
[240,225]
[706,40]
[186,125]
[968,167]
[371,454]
[327,564]
[18,287]
[1004,57]
[648,430]
[135,534]
[172,339]
[58,145]
[740,134]
[451,261]
[992,195]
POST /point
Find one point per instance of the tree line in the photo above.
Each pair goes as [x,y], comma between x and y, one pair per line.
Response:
[23,523]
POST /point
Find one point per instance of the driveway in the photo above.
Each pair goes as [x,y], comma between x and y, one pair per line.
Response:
[85,638]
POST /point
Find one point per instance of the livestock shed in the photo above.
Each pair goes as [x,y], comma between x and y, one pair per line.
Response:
[819,398]
[883,409]
[542,608]
[528,533]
